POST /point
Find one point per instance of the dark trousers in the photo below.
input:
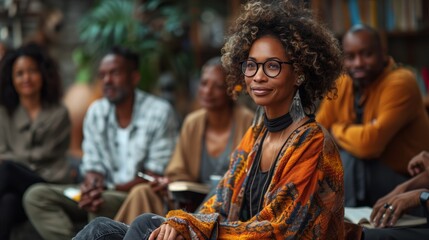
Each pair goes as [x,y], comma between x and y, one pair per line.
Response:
[103,228]
[365,181]
[14,180]
[415,233]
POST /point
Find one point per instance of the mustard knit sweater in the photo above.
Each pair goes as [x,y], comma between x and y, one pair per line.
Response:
[395,125]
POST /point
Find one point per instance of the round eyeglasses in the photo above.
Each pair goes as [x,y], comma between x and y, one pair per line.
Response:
[271,68]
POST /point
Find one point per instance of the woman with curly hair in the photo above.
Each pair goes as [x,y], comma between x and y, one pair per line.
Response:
[285,179]
[34,130]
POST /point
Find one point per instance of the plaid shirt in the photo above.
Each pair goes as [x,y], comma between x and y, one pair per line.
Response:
[153,131]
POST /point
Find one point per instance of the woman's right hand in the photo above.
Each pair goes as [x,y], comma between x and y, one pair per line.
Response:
[419,163]
[165,232]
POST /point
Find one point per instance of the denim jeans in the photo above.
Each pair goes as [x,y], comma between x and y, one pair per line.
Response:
[103,228]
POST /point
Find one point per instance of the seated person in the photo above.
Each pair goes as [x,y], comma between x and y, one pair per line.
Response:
[34,130]
[126,131]
[285,179]
[410,194]
[378,120]
[207,138]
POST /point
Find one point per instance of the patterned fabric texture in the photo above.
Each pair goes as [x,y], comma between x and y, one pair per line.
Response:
[304,199]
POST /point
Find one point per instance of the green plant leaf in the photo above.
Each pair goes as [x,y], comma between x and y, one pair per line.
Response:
[155,35]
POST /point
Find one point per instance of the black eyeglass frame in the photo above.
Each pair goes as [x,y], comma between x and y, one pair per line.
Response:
[263,66]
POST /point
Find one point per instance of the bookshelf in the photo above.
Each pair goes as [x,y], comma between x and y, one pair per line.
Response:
[403,24]
[393,16]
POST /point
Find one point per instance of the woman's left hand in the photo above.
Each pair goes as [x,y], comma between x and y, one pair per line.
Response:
[165,232]
[387,212]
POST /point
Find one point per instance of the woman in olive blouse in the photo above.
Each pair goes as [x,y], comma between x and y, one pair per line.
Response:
[34,130]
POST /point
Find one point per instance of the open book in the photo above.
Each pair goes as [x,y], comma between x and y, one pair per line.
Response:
[181,186]
[361,216]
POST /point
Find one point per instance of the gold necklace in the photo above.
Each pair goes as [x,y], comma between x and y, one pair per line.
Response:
[275,159]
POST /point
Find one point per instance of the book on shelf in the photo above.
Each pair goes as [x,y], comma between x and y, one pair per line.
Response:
[388,15]
[361,216]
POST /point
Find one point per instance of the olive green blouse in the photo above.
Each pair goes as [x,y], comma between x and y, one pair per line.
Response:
[40,145]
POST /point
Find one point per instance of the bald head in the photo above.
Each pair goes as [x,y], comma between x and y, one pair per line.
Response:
[372,33]
[364,58]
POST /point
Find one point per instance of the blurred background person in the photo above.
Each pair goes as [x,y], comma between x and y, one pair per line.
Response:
[378,120]
[207,138]
[34,130]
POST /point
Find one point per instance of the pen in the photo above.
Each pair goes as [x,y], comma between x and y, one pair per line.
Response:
[146,177]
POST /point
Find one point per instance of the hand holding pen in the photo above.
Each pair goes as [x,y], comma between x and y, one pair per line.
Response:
[158,183]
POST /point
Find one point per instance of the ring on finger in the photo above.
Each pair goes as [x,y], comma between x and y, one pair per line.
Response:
[391,208]
[386,206]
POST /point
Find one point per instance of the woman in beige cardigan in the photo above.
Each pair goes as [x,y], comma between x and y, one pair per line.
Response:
[207,138]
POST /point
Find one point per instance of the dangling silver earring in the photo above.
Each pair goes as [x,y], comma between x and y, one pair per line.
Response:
[296,110]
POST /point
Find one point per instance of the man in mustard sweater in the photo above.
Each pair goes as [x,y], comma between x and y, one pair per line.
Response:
[378,119]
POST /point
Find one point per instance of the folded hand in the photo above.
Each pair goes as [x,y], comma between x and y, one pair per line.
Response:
[91,192]
[419,163]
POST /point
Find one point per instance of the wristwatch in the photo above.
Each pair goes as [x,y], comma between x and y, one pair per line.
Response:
[424,197]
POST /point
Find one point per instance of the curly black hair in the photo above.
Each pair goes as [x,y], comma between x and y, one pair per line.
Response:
[51,91]
[313,49]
